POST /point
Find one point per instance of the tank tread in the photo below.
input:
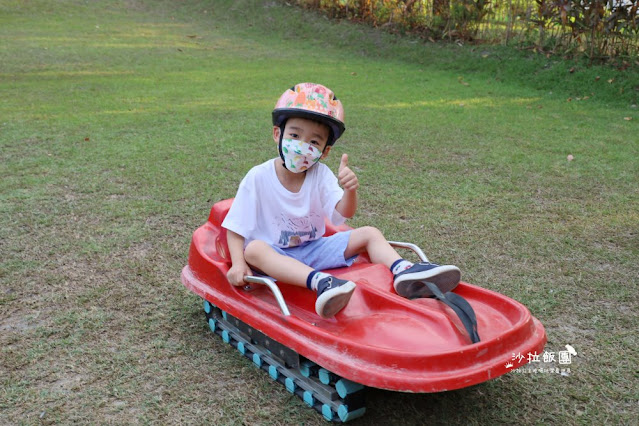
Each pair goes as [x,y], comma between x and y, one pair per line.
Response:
[336,398]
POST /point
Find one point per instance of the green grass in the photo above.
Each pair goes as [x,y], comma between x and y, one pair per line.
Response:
[121,122]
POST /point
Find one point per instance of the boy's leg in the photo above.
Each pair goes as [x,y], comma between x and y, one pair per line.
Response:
[371,240]
[283,268]
[333,294]
[409,278]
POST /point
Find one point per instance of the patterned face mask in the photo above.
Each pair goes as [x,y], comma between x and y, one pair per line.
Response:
[298,156]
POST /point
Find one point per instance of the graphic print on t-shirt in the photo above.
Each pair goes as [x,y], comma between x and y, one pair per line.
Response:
[296,231]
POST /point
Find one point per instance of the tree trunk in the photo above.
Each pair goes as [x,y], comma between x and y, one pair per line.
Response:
[441,8]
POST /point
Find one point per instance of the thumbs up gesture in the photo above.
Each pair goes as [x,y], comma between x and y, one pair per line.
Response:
[345,175]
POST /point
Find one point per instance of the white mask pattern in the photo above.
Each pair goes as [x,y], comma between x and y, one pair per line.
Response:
[299,156]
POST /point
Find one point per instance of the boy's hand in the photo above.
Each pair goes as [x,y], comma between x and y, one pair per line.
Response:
[347,179]
[236,274]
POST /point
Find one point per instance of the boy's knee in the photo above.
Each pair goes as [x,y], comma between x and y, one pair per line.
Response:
[369,234]
[254,249]
[372,233]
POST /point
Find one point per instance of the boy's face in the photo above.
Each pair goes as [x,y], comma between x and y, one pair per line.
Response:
[305,130]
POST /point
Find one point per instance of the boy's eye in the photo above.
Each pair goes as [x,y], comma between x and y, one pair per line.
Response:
[293,135]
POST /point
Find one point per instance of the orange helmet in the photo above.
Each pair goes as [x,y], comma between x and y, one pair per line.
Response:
[312,101]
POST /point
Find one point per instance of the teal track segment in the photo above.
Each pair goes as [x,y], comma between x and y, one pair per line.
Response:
[335,398]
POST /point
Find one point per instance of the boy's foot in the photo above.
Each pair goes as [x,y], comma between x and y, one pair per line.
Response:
[410,283]
[332,295]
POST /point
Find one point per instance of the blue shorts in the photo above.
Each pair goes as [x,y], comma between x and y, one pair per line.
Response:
[321,254]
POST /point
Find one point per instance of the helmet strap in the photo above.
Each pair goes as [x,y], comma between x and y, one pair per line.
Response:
[279,145]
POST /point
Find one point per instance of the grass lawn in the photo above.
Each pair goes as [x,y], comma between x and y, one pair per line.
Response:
[122,121]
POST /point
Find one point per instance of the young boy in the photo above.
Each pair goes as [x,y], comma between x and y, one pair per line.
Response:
[276,222]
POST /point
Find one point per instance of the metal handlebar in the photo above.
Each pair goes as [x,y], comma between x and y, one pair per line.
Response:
[412,247]
[274,289]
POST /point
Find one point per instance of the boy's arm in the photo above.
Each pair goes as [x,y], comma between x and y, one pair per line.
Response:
[347,206]
[239,267]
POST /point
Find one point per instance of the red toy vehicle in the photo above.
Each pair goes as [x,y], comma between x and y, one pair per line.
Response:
[379,340]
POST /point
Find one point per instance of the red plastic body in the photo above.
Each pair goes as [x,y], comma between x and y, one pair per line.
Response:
[380,339]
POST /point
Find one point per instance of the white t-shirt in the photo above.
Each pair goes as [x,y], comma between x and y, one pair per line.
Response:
[265,210]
